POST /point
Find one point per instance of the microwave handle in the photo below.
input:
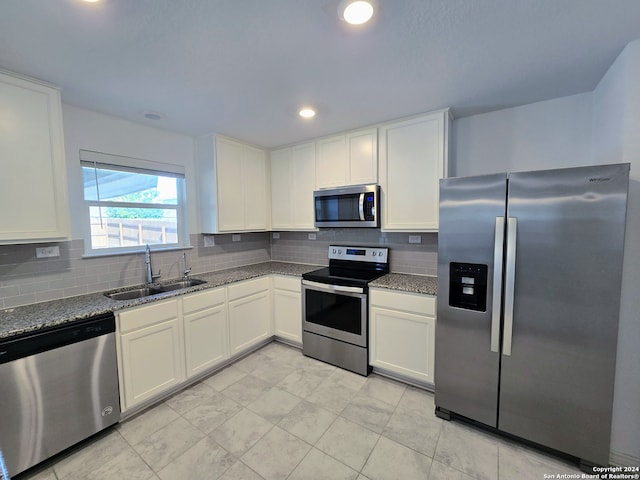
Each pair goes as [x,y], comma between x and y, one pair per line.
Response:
[361,207]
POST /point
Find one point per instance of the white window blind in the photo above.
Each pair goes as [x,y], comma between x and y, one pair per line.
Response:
[131,202]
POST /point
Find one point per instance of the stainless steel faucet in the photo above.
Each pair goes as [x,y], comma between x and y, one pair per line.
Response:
[187,269]
[147,259]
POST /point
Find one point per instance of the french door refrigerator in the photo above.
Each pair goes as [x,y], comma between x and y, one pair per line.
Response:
[529,278]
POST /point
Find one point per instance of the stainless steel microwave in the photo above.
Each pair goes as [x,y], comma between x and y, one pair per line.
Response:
[356,206]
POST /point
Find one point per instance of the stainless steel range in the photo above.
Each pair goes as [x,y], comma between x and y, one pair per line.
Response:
[335,326]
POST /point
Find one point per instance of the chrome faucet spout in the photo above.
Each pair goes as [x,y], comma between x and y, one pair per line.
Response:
[150,277]
[187,269]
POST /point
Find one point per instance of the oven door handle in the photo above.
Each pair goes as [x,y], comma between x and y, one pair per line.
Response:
[324,287]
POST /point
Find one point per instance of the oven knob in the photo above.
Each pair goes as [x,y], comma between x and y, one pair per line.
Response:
[334,250]
[374,253]
[339,252]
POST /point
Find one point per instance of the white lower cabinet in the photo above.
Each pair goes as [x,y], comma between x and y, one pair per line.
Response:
[249,314]
[206,337]
[163,344]
[287,308]
[402,334]
[150,351]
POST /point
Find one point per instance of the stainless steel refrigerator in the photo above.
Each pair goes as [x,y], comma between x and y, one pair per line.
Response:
[529,278]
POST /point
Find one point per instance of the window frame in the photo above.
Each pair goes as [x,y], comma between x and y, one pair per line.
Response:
[135,165]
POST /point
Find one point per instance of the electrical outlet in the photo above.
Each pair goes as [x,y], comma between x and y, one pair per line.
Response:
[46,252]
[312,236]
[236,237]
[209,241]
[276,235]
[415,238]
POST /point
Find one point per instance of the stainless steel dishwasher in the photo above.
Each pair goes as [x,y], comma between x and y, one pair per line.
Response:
[58,386]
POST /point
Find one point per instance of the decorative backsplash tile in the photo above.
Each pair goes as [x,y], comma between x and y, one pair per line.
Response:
[26,279]
[420,259]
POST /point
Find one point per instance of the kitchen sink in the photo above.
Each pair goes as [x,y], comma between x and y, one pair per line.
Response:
[136,293]
[190,282]
[154,290]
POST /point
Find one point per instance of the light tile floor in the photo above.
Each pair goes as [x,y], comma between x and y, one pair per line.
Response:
[279,415]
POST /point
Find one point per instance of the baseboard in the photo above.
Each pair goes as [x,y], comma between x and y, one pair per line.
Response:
[409,381]
[621,459]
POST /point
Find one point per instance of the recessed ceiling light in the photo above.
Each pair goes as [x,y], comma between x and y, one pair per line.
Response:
[148,114]
[307,112]
[91,1]
[355,12]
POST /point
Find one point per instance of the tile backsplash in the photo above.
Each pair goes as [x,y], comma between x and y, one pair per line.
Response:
[420,259]
[25,279]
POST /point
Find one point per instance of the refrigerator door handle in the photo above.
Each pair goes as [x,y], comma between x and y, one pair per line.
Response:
[510,273]
[497,284]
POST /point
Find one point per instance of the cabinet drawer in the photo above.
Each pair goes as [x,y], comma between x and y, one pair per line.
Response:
[201,300]
[147,315]
[287,283]
[408,302]
[248,287]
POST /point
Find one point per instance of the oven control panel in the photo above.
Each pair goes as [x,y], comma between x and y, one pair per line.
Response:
[359,254]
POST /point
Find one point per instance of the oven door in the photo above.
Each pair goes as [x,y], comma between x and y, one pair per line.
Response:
[335,311]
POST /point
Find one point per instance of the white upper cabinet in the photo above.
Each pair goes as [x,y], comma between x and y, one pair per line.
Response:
[281,192]
[363,156]
[256,196]
[349,159]
[292,185]
[332,164]
[233,189]
[33,185]
[413,159]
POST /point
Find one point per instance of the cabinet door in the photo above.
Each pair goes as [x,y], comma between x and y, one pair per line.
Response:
[281,192]
[32,153]
[331,163]
[287,315]
[363,157]
[229,175]
[254,184]
[249,321]
[303,169]
[151,361]
[402,343]
[206,339]
[413,158]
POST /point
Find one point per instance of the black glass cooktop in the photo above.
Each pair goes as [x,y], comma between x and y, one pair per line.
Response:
[343,276]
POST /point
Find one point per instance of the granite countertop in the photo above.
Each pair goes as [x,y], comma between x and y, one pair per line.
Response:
[27,318]
[407,283]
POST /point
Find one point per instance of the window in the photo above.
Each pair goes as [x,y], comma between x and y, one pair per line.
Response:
[130,203]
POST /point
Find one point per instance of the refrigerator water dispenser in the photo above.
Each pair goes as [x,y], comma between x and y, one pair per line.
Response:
[468,286]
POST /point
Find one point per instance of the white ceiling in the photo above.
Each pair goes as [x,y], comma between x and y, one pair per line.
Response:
[243,67]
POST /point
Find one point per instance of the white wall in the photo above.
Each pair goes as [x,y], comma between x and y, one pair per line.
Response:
[616,138]
[87,130]
[551,134]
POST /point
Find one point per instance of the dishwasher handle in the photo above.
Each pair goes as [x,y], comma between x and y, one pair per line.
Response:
[48,338]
